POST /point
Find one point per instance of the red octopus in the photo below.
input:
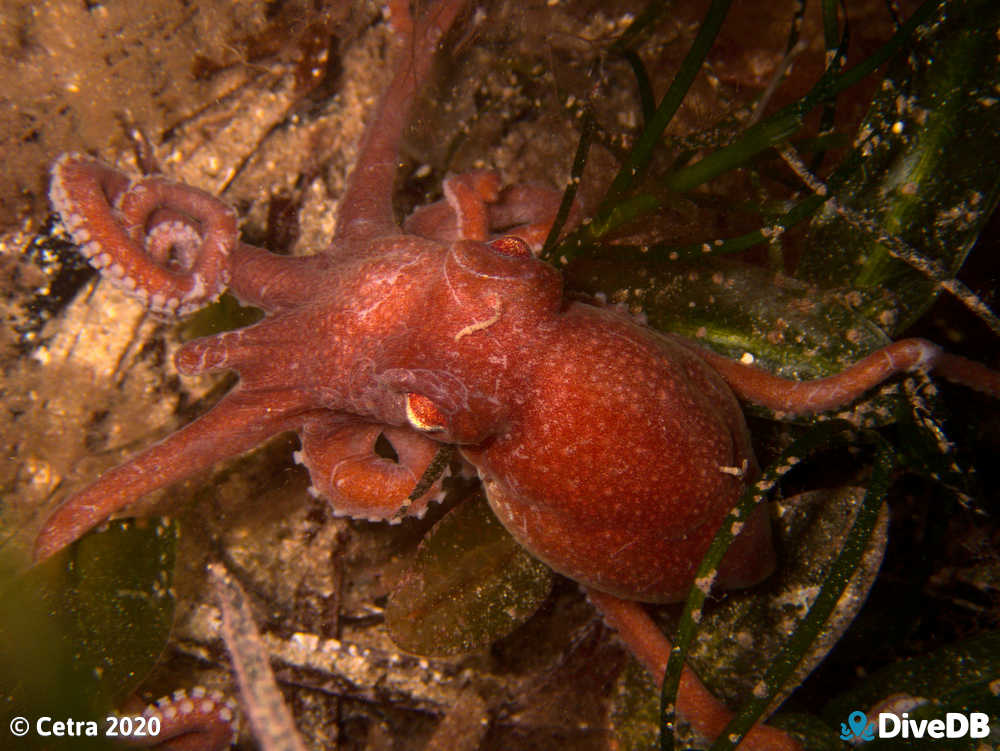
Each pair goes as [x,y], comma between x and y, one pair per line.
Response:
[197,719]
[610,451]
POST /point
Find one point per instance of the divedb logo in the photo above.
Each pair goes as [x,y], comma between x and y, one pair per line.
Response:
[858,729]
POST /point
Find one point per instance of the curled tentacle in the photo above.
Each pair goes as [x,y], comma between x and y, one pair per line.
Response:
[199,720]
[462,213]
[167,244]
[345,468]
[476,208]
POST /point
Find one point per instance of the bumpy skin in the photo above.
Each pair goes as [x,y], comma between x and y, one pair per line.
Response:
[618,462]
[607,449]
[199,720]
[610,451]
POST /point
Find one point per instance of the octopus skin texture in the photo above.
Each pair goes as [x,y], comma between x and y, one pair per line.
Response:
[603,445]
[195,720]
[610,451]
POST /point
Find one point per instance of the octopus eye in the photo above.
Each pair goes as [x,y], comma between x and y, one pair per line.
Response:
[423,414]
[510,245]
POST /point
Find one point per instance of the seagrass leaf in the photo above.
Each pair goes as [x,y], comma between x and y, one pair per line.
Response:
[471,584]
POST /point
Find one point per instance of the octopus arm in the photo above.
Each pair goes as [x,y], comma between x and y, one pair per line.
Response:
[366,207]
[238,423]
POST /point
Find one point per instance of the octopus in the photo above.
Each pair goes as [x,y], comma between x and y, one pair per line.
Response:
[195,719]
[610,451]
